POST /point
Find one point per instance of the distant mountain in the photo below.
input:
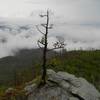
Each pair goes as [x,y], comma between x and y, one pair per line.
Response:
[22,60]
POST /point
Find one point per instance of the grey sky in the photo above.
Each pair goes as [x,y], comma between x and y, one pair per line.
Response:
[77,20]
[84,10]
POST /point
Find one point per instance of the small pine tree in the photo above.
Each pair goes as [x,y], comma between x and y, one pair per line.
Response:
[44,41]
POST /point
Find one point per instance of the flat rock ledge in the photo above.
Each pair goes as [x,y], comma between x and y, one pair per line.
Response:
[63,86]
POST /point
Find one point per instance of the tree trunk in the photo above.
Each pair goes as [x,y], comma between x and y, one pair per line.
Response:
[45,52]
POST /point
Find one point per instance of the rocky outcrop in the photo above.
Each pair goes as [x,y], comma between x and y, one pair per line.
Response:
[63,86]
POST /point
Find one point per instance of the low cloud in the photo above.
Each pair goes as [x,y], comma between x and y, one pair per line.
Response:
[14,36]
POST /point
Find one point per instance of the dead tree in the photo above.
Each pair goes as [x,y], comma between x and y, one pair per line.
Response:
[44,42]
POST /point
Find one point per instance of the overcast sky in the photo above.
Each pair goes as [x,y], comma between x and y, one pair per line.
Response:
[77,20]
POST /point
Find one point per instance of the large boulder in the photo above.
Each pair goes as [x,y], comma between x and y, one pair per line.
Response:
[64,86]
[77,86]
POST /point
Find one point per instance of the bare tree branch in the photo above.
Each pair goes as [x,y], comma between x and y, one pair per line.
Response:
[54,48]
[44,25]
[39,30]
[42,15]
[60,43]
[49,27]
[39,45]
[41,42]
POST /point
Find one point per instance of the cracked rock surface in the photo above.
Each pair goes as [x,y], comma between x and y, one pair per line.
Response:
[64,86]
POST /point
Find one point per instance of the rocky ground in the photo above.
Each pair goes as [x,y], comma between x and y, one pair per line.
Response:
[63,86]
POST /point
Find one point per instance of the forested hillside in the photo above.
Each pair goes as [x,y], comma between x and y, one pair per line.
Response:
[26,64]
[81,63]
